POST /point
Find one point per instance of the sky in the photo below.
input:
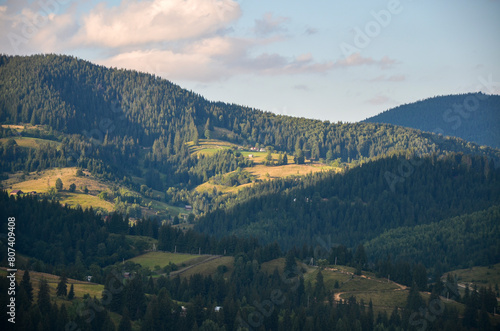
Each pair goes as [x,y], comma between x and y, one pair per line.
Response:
[329,60]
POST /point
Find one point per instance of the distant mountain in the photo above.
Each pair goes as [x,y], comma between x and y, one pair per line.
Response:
[473,117]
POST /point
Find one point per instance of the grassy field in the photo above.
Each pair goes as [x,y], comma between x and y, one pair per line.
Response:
[209,147]
[210,267]
[264,173]
[29,142]
[162,259]
[382,300]
[81,288]
[272,172]
[482,276]
[208,187]
[86,201]
[162,208]
[43,180]
[13,127]
[384,295]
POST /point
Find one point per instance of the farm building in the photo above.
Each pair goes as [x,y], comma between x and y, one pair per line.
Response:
[16,192]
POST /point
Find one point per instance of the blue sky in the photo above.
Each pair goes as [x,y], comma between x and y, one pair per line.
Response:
[330,60]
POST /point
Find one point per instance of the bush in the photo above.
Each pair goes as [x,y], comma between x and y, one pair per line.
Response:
[59,184]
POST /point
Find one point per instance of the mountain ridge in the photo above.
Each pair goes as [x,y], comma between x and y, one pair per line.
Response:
[473,117]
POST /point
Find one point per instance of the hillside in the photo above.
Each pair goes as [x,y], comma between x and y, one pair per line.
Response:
[473,117]
[171,146]
[244,213]
[118,117]
[102,195]
[463,241]
[362,203]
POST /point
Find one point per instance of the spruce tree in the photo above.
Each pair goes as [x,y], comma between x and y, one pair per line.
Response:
[319,289]
[44,297]
[414,301]
[71,293]
[26,284]
[62,287]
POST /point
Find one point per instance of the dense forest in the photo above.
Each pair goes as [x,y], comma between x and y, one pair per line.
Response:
[474,117]
[362,203]
[463,241]
[77,240]
[110,115]
[251,298]
[400,202]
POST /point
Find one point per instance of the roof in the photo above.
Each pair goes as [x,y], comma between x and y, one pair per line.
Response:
[16,192]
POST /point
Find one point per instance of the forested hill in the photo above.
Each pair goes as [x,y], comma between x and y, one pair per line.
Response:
[458,242]
[361,204]
[125,109]
[474,117]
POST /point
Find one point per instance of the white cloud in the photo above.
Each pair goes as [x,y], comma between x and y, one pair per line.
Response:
[214,59]
[177,39]
[33,27]
[168,64]
[143,22]
[356,59]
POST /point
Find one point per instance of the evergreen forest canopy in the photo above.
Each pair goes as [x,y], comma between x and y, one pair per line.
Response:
[360,205]
[410,204]
[473,117]
[107,118]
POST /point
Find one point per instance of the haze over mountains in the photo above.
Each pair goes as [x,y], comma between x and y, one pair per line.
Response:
[473,117]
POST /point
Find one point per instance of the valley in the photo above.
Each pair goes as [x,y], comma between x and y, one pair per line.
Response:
[204,215]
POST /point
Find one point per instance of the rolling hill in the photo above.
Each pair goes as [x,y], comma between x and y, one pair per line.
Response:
[374,199]
[473,117]
[145,133]
[364,202]
[112,114]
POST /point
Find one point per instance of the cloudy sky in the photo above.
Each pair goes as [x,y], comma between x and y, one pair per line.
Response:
[324,59]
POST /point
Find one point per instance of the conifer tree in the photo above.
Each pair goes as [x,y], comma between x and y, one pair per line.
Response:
[71,293]
[62,286]
[44,297]
[414,301]
[26,284]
